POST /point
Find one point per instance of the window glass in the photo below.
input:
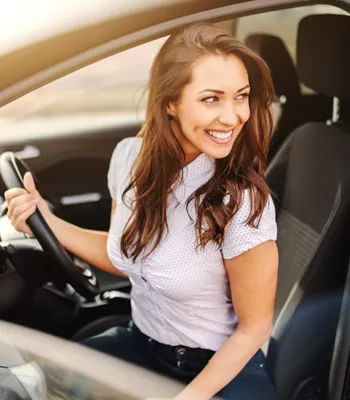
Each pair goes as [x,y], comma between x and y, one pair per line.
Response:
[115,85]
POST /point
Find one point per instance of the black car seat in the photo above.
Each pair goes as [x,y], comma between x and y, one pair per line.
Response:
[275,53]
[286,83]
[310,176]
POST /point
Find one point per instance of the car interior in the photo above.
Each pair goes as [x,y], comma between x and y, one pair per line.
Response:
[309,175]
[296,108]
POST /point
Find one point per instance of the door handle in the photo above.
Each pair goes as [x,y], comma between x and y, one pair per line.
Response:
[28,152]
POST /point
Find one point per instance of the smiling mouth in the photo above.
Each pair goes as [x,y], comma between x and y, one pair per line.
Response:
[220,136]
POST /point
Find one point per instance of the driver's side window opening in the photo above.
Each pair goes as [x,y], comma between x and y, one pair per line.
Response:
[113,86]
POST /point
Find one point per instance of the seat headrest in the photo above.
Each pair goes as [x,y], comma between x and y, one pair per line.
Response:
[323,54]
[273,50]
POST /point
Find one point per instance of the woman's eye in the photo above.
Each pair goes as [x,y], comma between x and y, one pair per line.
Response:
[212,99]
[243,96]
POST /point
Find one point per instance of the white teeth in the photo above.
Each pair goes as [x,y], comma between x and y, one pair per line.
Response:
[220,135]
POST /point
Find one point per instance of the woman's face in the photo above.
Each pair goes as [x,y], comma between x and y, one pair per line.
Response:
[213,108]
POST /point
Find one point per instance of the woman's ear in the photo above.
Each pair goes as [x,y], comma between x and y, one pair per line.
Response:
[171,111]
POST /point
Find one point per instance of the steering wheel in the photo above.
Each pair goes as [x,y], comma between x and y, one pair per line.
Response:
[12,171]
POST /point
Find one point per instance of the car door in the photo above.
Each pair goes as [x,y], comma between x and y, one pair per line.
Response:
[72,169]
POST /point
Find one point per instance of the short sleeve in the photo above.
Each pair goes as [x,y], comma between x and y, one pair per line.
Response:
[120,165]
[240,237]
[111,176]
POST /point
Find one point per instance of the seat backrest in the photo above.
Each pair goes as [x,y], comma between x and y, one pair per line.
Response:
[285,108]
[310,175]
[293,108]
[274,52]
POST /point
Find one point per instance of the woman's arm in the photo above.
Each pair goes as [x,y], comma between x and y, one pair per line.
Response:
[87,244]
[253,281]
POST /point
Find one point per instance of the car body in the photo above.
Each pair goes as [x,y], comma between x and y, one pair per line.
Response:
[72,84]
[46,367]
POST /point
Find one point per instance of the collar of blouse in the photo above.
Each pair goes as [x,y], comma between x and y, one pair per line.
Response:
[195,174]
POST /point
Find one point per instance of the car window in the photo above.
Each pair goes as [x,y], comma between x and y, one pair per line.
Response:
[115,85]
[111,90]
[281,23]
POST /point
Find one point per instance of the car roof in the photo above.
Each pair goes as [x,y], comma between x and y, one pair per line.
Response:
[64,38]
[37,20]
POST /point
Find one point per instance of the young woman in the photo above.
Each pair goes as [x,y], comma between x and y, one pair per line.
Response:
[193,223]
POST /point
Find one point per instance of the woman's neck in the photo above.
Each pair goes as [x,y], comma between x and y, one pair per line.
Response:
[191,157]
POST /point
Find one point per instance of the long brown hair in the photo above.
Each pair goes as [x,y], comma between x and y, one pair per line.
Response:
[161,159]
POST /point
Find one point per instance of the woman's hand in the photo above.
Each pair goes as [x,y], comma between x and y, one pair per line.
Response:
[22,203]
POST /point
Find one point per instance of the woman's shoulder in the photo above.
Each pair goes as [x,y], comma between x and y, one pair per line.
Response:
[245,209]
[240,237]
[246,204]
[127,148]
[121,162]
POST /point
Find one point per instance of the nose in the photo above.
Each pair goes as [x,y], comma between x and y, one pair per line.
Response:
[228,115]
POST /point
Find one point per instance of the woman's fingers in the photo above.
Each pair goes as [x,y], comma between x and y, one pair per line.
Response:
[29,184]
[19,203]
[30,188]
[19,223]
[21,208]
[12,193]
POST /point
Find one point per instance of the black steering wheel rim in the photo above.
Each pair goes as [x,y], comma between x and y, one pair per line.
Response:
[12,178]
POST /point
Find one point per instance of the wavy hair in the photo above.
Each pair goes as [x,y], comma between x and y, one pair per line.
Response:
[159,164]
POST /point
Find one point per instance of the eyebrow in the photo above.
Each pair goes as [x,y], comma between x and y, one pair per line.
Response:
[243,88]
[221,92]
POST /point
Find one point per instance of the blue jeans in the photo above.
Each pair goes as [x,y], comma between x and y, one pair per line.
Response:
[181,362]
